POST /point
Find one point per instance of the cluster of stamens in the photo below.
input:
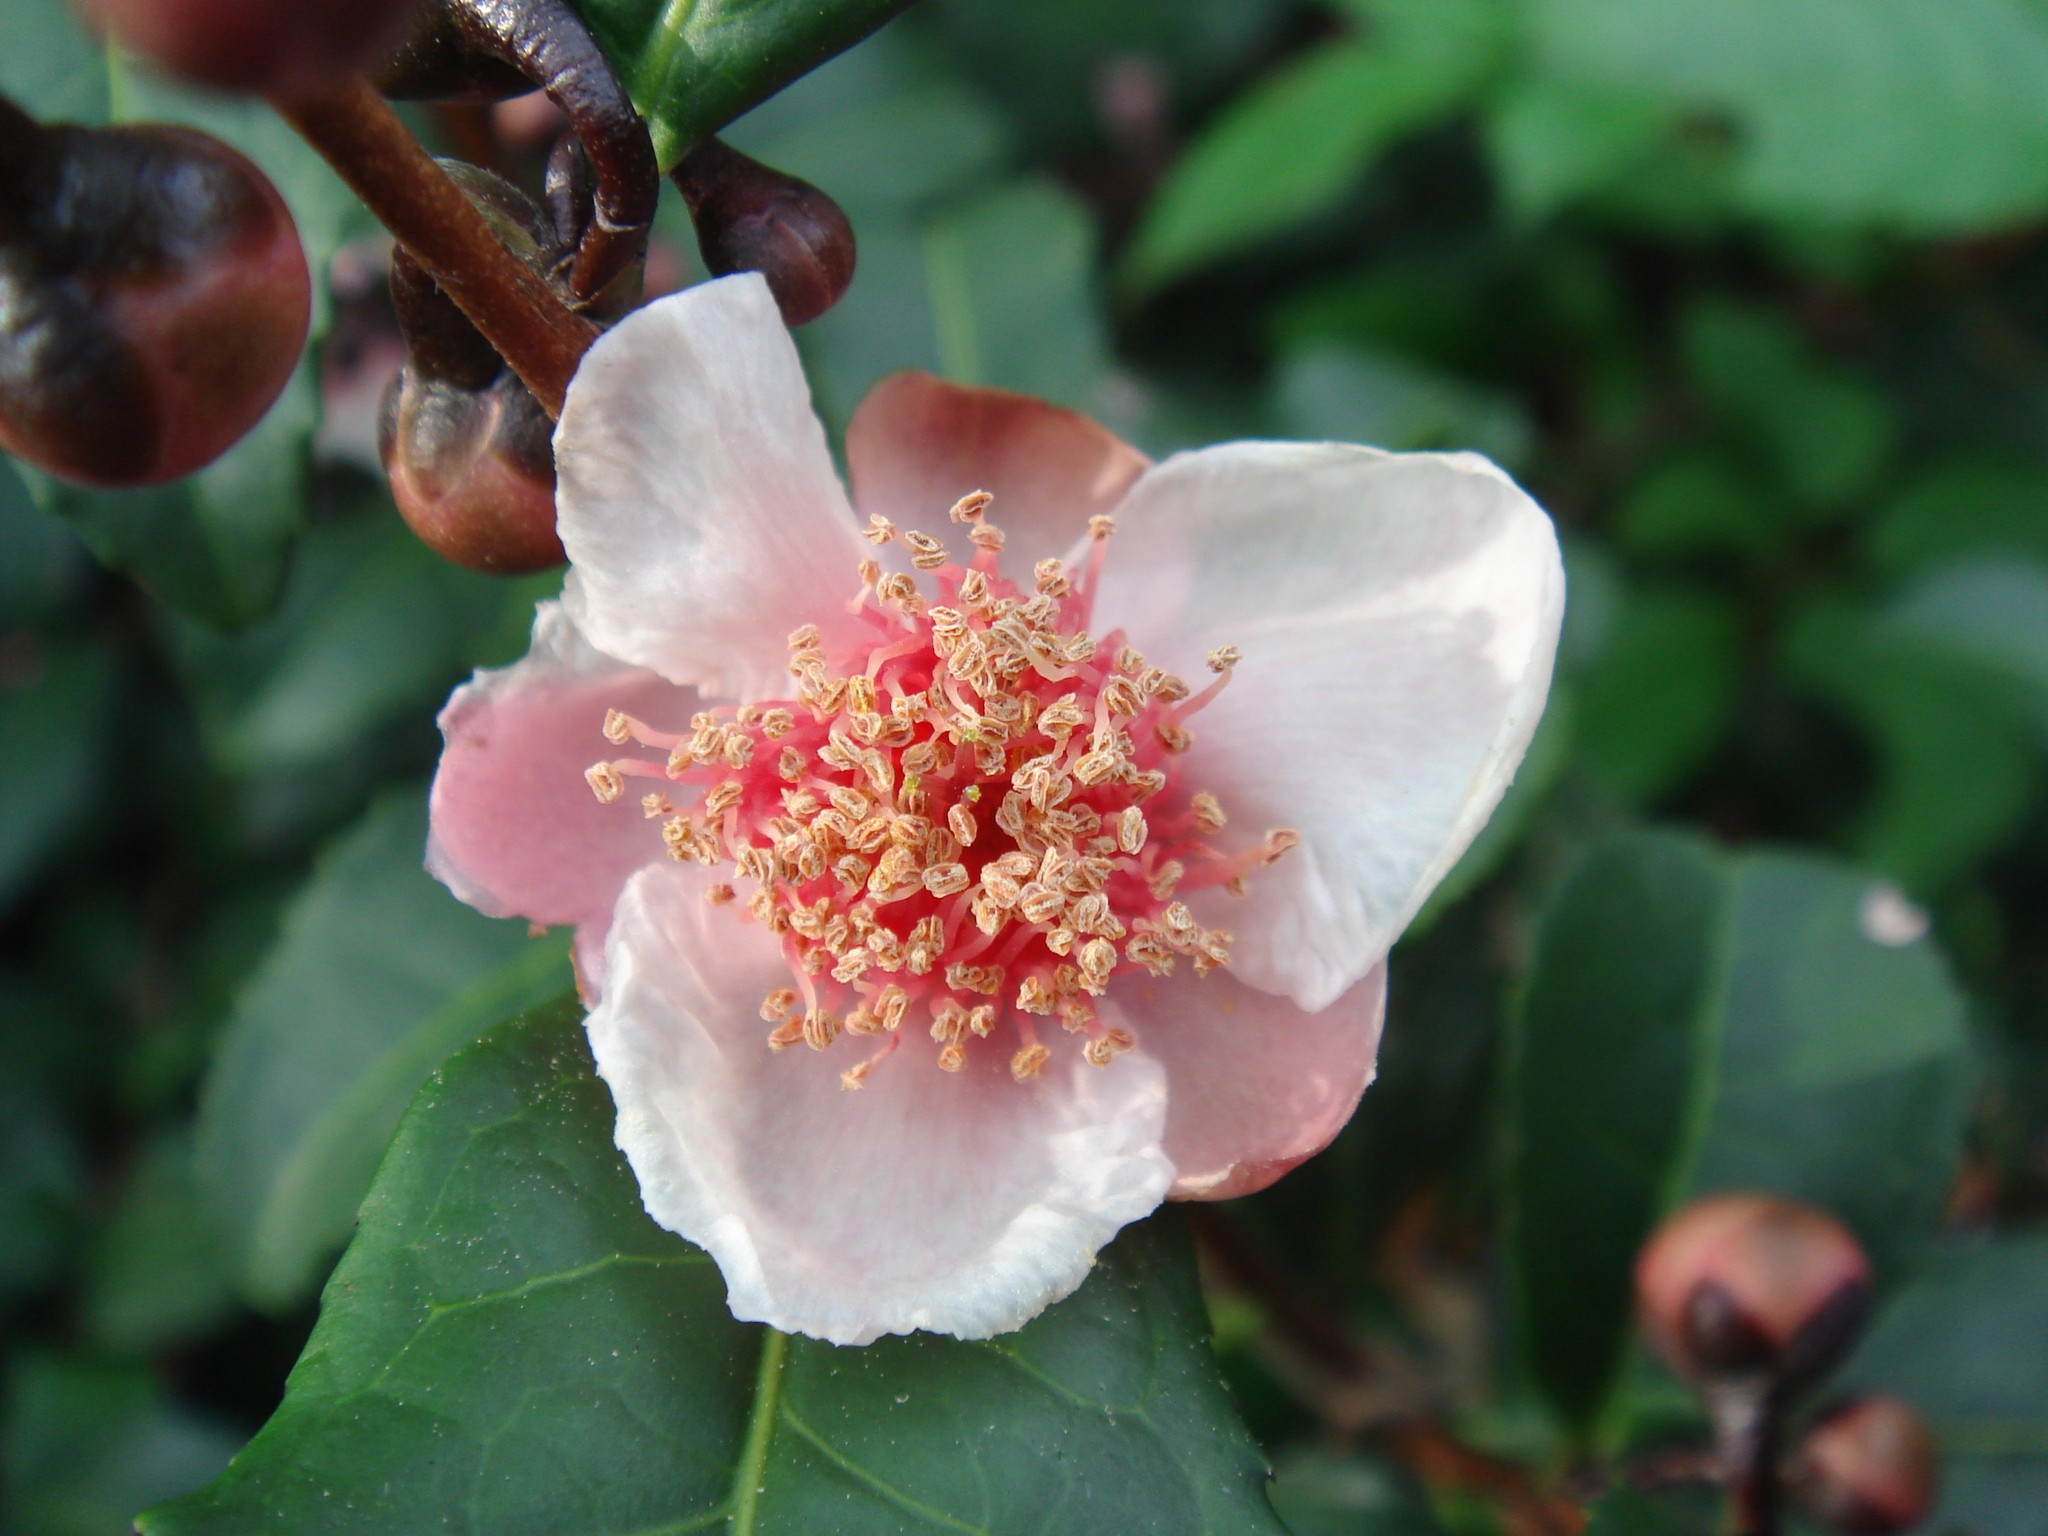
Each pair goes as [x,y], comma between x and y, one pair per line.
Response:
[972,825]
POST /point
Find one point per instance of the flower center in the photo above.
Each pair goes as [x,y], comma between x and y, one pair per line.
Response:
[975,823]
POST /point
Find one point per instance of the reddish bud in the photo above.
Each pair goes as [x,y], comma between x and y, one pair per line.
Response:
[1751,1285]
[753,219]
[154,300]
[1868,1468]
[257,45]
[473,471]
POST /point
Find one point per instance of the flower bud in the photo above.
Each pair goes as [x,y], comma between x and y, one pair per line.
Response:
[1750,1285]
[257,45]
[472,471]
[154,299]
[1867,1468]
[753,219]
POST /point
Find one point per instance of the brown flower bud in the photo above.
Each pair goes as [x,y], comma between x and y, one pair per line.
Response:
[1867,1468]
[257,45]
[472,471]
[154,299]
[1745,1284]
[753,219]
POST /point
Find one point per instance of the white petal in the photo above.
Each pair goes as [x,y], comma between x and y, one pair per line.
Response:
[696,497]
[1398,616]
[960,1203]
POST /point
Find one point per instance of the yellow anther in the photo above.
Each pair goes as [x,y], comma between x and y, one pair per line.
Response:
[969,508]
[777,1004]
[1175,738]
[776,723]
[953,1057]
[605,782]
[962,824]
[618,727]
[944,880]
[1130,829]
[821,1028]
[1208,812]
[1029,1062]
[879,529]
[987,538]
[926,552]
[1052,579]
[739,750]
[1224,657]
[803,638]
[1101,526]
[720,895]
[1279,841]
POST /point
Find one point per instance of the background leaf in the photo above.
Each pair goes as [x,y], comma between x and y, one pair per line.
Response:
[511,1344]
[1695,1022]
[378,973]
[1916,114]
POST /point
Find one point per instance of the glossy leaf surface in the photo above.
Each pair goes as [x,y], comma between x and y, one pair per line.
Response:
[510,1345]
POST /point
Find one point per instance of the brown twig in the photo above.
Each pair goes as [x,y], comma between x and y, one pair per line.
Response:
[519,314]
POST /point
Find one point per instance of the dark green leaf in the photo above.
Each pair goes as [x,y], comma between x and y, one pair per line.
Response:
[694,68]
[1969,505]
[1339,394]
[375,628]
[1297,142]
[1957,1345]
[1694,1022]
[511,1345]
[1923,115]
[1654,708]
[1606,1067]
[1957,766]
[55,712]
[1624,1512]
[157,1275]
[1326,1493]
[377,975]
[87,1443]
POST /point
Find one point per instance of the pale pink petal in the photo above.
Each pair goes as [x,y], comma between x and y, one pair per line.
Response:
[917,444]
[1398,616]
[960,1203]
[515,830]
[696,496]
[1254,1085]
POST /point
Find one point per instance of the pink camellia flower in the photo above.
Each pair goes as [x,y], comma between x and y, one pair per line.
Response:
[955,882]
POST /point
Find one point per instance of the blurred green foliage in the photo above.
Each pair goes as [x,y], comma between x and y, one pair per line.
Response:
[1752,294]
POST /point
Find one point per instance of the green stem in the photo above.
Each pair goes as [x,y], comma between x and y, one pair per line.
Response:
[747,1489]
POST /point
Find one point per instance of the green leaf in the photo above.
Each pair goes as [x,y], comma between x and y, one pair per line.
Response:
[1656,705]
[1824,433]
[156,1276]
[375,628]
[1607,1047]
[1625,1512]
[377,975]
[1343,394]
[1696,1022]
[694,67]
[1953,743]
[1951,1345]
[1920,115]
[55,713]
[1971,504]
[1295,143]
[510,1344]
[1331,1493]
[1553,142]
[85,1443]
[213,545]
[1986,612]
